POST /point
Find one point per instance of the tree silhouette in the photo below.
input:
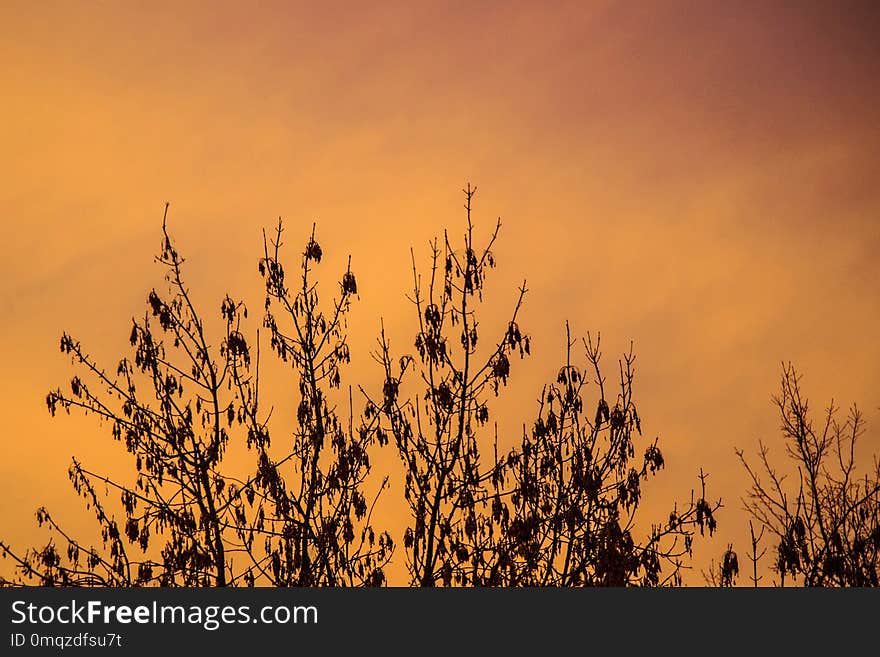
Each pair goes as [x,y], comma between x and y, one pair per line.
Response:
[169,407]
[558,510]
[436,432]
[176,406]
[576,486]
[557,507]
[315,524]
[824,515]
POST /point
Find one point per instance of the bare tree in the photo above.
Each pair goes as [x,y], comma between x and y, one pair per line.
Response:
[176,407]
[170,407]
[824,515]
[558,510]
[568,516]
[312,513]
[436,432]
[560,507]
[756,554]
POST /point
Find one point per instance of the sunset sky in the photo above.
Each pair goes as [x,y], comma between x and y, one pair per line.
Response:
[702,178]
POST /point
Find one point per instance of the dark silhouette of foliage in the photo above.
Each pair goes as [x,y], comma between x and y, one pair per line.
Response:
[176,406]
[724,574]
[315,519]
[168,406]
[436,432]
[566,499]
[558,507]
[824,515]
[558,510]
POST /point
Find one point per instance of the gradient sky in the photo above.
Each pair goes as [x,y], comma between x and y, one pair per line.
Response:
[702,178]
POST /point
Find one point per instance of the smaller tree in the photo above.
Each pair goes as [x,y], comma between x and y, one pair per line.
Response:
[172,408]
[823,513]
[559,509]
[310,514]
[566,500]
[437,433]
[302,518]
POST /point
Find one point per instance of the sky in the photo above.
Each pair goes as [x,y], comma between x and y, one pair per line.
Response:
[699,178]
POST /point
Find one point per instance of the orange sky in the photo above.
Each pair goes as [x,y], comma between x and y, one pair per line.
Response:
[702,178]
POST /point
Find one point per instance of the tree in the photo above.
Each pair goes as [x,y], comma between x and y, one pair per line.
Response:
[175,407]
[435,432]
[558,506]
[558,510]
[576,487]
[316,524]
[823,513]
